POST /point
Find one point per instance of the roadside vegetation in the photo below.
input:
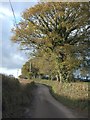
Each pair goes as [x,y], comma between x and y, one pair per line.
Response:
[73,94]
[15,97]
[58,35]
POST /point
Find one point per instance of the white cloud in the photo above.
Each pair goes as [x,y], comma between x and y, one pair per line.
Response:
[18,57]
[1,16]
[20,1]
[12,59]
[5,12]
[14,72]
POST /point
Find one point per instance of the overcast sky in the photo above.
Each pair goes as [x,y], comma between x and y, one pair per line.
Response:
[12,57]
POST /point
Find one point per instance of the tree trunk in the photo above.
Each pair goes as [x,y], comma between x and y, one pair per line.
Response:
[51,77]
[57,77]
[60,77]
[39,76]
[34,76]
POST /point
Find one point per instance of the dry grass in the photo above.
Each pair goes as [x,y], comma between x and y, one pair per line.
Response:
[25,81]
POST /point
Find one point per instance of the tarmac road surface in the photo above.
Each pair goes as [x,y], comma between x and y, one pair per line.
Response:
[45,106]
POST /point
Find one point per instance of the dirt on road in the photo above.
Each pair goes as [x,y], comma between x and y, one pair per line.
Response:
[45,106]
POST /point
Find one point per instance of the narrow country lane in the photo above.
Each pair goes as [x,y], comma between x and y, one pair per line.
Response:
[45,106]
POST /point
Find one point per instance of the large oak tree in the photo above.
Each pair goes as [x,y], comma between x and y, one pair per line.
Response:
[57,28]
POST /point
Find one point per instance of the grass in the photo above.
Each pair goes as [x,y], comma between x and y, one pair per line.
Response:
[15,97]
[73,95]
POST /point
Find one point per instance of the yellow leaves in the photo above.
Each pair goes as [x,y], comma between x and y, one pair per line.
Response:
[47,43]
[63,24]
[49,25]
[37,9]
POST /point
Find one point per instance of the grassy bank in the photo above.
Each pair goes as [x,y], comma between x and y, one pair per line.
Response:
[73,95]
[15,97]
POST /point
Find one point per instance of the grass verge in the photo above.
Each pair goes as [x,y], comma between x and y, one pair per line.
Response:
[73,95]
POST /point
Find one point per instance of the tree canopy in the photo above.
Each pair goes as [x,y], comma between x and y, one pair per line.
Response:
[60,30]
